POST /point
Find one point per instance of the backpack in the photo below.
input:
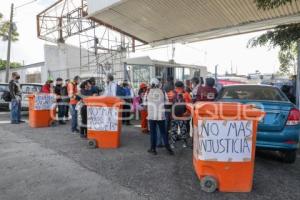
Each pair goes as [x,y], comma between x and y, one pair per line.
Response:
[6,96]
[180,109]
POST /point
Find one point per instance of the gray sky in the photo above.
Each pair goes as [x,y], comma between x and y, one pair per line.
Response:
[219,51]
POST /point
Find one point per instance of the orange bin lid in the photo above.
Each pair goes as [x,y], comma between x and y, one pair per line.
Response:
[224,109]
[103,101]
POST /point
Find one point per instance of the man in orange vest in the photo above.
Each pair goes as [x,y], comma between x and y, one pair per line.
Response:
[73,95]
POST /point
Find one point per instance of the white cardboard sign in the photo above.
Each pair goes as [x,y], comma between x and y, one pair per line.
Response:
[102,118]
[44,101]
[223,141]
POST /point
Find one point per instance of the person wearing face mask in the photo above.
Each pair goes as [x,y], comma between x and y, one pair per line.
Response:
[16,97]
[58,90]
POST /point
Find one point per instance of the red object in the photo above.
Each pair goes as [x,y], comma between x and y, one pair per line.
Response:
[46,89]
[144,121]
[143,85]
[228,82]
[206,93]
[294,117]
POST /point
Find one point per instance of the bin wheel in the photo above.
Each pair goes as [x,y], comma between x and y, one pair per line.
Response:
[209,184]
[92,144]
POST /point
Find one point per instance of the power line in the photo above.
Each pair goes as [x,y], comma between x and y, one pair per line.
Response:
[25,4]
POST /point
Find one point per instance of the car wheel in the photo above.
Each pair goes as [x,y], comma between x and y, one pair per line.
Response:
[289,156]
[209,184]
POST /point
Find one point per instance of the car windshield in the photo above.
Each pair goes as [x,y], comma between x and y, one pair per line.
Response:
[261,93]
[3,88]
[31,88]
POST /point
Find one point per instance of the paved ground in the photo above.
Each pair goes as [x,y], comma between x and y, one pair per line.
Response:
[51,163]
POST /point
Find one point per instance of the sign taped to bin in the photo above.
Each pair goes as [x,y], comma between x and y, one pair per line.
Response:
[102,118]
[224,141]
[44,101]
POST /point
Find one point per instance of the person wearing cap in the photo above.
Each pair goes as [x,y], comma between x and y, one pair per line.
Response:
[155,102]
[58,90]
[48,87]
[73,95]
[143,111]
[180,114]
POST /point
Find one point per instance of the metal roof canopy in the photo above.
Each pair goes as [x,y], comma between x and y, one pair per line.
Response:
[165,21]
[147,61]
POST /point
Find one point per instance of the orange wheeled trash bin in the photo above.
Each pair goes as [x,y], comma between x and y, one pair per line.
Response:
[42,110]
[224,145]
[104,122]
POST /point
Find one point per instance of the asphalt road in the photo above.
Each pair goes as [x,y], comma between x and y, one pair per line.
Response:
[51,163]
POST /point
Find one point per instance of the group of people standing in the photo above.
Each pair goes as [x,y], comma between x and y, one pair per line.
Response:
[164,109]
[69,96]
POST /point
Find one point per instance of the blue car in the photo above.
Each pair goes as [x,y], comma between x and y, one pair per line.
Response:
[279,130]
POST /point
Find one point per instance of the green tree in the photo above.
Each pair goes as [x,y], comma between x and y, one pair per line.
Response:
[285,37]
[3,64]
[4,29]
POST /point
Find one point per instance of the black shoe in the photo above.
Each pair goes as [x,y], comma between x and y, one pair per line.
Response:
[170,151]
[14,122]
[152,151]
[62,123]
[75,131]
[21,121]
[83,136]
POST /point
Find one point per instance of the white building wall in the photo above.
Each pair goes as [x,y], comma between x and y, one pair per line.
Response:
[61,61]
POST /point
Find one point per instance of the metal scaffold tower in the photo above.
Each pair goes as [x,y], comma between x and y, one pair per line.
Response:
[103,48]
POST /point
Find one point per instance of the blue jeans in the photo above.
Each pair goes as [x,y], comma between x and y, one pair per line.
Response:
[74,115]
[160,125]
[15,111]
[160,140]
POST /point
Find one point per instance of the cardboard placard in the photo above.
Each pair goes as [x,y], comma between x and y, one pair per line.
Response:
[102,119]
[44,101]
[224,141]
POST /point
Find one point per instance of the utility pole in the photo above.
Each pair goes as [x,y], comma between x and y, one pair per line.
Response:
[9,43]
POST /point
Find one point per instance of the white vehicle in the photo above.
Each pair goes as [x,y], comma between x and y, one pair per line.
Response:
[27,89]
[3,88]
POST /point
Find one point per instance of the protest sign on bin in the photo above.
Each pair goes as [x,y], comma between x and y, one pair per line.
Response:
[224,141]
[44,101]
[102,118]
